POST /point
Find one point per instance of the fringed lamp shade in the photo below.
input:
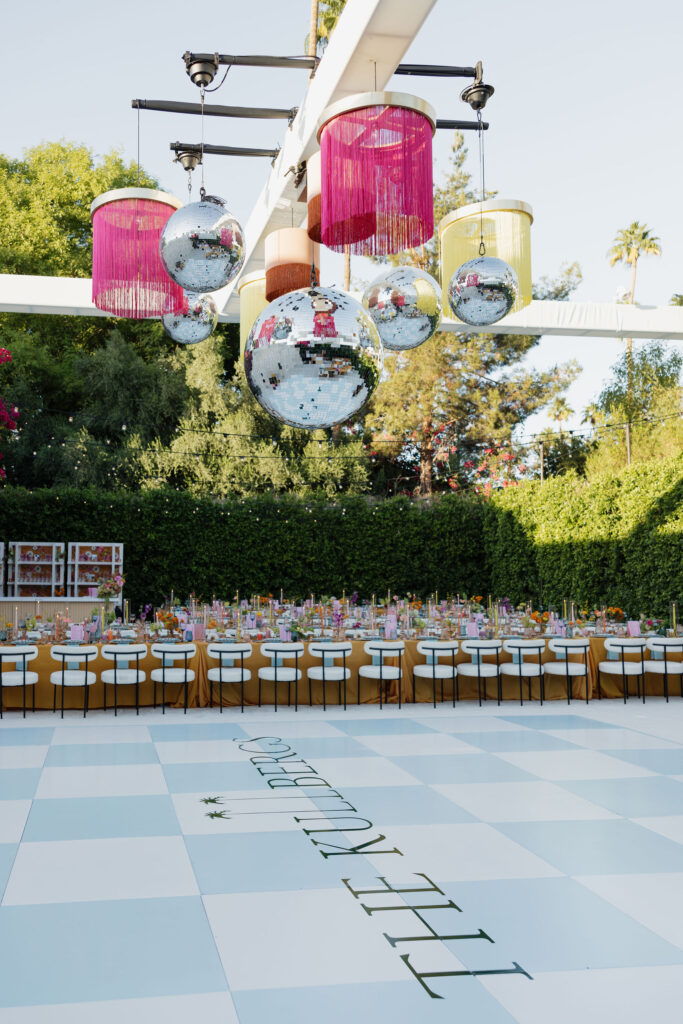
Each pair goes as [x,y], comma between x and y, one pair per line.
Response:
[313,198]
[289,256]
[252,292]
[507,236]
[376,157]
[128,277]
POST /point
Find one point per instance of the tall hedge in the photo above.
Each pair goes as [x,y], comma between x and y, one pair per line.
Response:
[617,540]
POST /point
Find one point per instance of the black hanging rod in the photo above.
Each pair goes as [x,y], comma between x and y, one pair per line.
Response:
[311,63]
[217,110]
[193,147]
[435,71]
[462,126]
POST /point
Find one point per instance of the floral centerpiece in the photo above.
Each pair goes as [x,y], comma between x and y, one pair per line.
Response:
[107,589]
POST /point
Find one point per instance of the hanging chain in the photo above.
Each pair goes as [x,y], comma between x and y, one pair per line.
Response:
[480,133]
[202,190]
[189,184]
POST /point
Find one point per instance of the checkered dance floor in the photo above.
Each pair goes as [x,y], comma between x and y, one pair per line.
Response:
[484,865]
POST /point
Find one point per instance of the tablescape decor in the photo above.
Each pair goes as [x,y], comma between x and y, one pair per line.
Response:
[195,322]
[108,589]
[405,305]
[202,245]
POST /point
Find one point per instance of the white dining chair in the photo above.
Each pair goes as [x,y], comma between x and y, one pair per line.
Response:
[660,663]
[226,654]
[619,666]
[563,667]
[70,673]
[521,669]
[279,651]
[479,669]
[122,674]
[18,655]
[168,654]
[433,651]
[328,672]
[379,671]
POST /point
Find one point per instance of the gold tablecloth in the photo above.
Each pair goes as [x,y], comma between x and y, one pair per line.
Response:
[199,694]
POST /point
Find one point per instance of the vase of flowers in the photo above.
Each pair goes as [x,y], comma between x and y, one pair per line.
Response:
[108,589]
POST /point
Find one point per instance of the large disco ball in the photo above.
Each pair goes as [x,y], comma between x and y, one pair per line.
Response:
[313,358]
[405,304]
[201,246]
[195,322]
[483,291]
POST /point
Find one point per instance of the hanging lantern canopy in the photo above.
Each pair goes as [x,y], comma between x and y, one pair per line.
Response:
[313,198]
[195,322]
[405,305]
[483,291]
[313,358]
[202,246]
[376,171]
[251,289]
[504,225]
[128,277]
[290,255]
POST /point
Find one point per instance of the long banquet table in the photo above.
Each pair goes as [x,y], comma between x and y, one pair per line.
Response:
[199,690]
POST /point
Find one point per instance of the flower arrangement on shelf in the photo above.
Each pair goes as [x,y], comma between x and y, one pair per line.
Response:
[110,587]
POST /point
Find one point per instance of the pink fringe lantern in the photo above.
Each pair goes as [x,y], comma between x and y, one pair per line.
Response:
[128,277]
[377,195]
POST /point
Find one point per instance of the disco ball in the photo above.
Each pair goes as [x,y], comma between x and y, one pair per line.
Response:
[195,322]
[483,291]
[405,304]
[313,358]
[202,246]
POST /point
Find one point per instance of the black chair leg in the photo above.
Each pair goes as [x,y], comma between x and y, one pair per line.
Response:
[85,700]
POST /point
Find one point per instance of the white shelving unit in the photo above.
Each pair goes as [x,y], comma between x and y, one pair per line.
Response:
[35,569]
[89,564]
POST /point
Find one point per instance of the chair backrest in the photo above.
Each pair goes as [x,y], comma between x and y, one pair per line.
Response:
[329,651]
[384,648]
[481,647]
[626,645]
[221,649]
[65,652]
[281,649]
[433,649]
[171,652]
[17,653]
[124,652]
[661,643]
[558,645]
[523,646]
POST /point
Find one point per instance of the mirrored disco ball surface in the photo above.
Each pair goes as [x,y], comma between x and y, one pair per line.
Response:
[195,323]
[313,358]
[405,305]
[202,246]
[483,291]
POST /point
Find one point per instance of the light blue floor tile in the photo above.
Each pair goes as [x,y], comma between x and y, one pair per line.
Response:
[26,737]
[75,952]
[8,852]
[402,805]
[109,817]
[328,746]
[465,1001]
[633,798]
[666,762]
[550,924]
[213,778]
[596,847]
[18,783]
[462,768]
[273,861]
[197,731]
[73,755]
[545,720]
[379,726]
[521,739]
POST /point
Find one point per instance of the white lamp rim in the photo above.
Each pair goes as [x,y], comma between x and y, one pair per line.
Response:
[488,206]
[154,194]
[255,275]
[360,100]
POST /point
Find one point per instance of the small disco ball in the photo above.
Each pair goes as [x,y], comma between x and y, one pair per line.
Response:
[405,305]
[195,322]
[201,246]
[313,358]
[483,291]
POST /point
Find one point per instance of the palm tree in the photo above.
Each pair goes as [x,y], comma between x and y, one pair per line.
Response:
[560,411]
[629,245]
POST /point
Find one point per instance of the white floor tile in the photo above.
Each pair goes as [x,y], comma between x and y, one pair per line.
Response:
[612,739]
[199,751]
[670,826]
[209,1008]
[627,995]
[22,757]
[468,723]
[102,780]
[88,733]
[247,811]
[362,771]
[291,730]
[521,801]
[100,869]
[408,744]
[569,765]
[13,815]
[451,853]
[655,900]
[304,938]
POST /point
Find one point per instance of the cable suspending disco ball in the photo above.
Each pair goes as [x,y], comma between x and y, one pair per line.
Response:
[483,291]
[196,321]
[202,246]
[313,358]
[405,305]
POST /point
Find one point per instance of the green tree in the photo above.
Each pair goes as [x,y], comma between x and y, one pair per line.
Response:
[560,411]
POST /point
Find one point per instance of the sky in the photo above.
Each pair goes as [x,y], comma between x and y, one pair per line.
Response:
[584,120]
